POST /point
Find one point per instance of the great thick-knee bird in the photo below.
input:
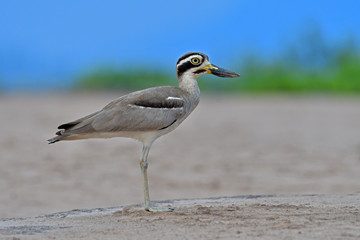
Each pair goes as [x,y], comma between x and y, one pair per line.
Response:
[147,114]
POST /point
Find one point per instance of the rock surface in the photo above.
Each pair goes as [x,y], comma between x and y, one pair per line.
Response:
[241,217]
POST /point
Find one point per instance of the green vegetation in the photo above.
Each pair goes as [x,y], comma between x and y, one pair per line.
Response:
[308,66]
[340,75]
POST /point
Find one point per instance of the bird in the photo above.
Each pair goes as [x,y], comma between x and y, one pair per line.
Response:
[147,114]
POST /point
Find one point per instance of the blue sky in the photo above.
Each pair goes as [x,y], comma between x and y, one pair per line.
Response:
[46,44]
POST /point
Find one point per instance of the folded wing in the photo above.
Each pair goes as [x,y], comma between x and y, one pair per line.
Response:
[146,110]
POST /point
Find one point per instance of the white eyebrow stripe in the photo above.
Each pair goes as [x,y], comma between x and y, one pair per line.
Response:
[188,59]
[174,98]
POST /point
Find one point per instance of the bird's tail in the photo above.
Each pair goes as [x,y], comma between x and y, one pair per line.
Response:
[53,140]
[58,138]
[73,130]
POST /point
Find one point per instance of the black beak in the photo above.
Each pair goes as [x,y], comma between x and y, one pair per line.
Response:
[220,72]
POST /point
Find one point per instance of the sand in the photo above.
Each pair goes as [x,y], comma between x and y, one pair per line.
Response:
[243,217]
[294,162]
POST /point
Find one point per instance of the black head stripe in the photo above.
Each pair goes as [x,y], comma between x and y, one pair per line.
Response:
[190,54]
[184,67]
[200,71]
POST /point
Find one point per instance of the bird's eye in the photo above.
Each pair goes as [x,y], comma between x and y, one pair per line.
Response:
[195,61]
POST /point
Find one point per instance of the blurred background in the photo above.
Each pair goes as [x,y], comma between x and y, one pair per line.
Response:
[276,45]
[289,125]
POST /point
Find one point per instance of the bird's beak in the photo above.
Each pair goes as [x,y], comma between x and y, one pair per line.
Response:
[220,72]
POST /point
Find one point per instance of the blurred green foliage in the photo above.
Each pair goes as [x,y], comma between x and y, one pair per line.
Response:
[340,75]
[310,65]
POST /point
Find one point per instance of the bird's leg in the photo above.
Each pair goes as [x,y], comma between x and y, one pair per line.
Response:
[144,165]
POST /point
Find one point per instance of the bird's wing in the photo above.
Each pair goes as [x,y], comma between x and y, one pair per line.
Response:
[146,110]
[150,109]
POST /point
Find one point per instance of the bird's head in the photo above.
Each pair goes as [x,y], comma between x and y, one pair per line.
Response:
[195,64]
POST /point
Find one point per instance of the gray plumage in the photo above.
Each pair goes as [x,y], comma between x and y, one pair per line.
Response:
[148,114]
[153,109]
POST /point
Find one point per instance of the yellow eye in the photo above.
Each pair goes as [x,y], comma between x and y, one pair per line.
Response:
[195,61]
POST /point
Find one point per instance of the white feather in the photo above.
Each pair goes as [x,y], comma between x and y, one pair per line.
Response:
[174,98]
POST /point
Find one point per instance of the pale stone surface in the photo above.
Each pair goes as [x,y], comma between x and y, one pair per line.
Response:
[242,217]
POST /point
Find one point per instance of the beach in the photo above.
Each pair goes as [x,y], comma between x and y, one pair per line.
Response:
[267,156]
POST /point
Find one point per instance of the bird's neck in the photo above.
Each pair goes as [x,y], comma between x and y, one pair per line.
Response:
[188,83]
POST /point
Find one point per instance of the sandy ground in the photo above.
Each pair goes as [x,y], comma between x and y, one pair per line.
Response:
[229,146]
[244,217]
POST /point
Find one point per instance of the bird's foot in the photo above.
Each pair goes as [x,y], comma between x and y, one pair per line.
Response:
[159,209]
